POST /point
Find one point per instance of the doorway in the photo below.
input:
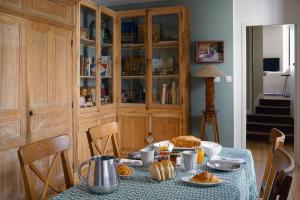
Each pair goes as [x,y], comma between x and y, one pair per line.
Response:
[270,64]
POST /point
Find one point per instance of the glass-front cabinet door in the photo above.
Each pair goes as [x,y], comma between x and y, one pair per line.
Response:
[107,58]
[164,56]
[88,52]
[133,59]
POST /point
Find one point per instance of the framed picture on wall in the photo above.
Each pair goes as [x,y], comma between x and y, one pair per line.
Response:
[210,52]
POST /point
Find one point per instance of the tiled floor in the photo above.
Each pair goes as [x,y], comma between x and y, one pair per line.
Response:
[260,152]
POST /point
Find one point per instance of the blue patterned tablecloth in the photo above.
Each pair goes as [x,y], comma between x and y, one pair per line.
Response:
[239,184]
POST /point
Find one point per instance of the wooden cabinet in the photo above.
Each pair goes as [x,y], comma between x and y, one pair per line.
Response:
[153,75]
[12,104]
[35,92]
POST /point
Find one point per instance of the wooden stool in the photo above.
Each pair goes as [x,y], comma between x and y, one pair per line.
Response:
[210,118]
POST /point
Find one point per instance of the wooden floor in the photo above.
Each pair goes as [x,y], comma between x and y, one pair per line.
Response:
[260,152]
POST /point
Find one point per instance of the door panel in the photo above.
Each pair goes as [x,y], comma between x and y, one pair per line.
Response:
[165,126]
[133,132]
[53,9]
[49,90]
[16,4]
[12,105]
[49,81]
[11,178]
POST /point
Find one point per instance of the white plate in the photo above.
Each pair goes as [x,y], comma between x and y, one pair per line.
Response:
[188,179]
[223,165]
[127,176]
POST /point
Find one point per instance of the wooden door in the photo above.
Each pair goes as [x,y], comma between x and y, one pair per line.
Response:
[133,131]
[165,126]
[12,105]
[49,87]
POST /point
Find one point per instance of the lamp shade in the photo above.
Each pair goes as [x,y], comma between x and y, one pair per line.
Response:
[209,71]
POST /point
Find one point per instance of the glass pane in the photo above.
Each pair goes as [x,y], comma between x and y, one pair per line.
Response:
[106,67]
[87,57]
[133,90]
[165,60]
[133,69]
[165,28]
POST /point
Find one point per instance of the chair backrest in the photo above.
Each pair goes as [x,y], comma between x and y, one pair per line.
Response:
[280,178]
[57,146]
[277,140]
[104,132]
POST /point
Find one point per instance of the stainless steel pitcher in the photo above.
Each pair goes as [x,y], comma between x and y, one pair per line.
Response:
[102,174]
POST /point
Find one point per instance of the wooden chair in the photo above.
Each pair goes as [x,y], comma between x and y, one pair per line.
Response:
[107,131]
[277,140]
[280,177]
[57,146]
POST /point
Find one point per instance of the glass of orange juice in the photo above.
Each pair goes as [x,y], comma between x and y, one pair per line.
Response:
[200,156]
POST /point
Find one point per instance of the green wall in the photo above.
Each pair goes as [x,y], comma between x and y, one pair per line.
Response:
[210,20]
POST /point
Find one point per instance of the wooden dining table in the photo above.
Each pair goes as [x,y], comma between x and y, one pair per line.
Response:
[239,184]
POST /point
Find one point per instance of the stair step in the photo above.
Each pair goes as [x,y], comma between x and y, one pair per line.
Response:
[289,138]
[275,102]
[266,127]
[273,110]
[282,119]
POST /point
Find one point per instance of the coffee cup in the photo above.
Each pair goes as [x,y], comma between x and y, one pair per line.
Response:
[147,156]
[189,160]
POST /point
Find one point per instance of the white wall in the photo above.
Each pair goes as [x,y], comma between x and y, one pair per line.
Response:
[273,43]
[259,12]
[276,45]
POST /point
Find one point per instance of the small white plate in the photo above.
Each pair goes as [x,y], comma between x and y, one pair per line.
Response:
[188,179]
[127,176]
[223,165]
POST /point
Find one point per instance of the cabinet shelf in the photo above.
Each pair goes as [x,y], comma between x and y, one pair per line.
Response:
[106,45]
[165,44]
[133,77]
[131,46]
[87,42]
[106,77]
[165,76]
[87,77]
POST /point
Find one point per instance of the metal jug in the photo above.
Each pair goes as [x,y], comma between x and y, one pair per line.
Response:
[102,174]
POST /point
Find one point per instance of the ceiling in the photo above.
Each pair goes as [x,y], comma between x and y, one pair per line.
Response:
[121,2]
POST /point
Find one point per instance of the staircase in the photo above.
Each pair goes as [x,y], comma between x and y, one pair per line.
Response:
[271,113]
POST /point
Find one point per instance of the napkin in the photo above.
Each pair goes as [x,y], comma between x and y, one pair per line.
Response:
[235,160]
[130,162]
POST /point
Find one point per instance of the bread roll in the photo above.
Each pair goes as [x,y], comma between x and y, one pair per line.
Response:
[162,170]
[187,141]
[154,172]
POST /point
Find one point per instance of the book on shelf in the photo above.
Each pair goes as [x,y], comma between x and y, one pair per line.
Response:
[106,66]
[87,66]
[169,93]
[163,95]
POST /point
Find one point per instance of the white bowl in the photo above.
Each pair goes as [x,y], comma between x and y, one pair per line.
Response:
[163,143]
[211,148]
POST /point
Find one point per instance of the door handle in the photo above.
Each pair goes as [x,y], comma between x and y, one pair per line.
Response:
[31,113]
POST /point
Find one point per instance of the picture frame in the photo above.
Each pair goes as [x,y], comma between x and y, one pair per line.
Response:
[209,51]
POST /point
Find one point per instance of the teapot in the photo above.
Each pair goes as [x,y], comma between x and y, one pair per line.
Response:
[102,174]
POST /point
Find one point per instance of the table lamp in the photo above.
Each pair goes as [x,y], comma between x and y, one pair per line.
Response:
[209,72]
